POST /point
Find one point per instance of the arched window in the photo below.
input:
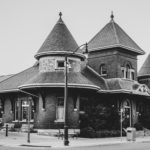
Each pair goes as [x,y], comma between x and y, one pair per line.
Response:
[103,69]
[127,72]
[127,113]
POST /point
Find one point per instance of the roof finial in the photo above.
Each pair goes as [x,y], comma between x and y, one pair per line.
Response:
[112,16]
[60,14]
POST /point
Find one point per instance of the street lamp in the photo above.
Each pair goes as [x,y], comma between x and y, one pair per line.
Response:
[66,141]
[29,113]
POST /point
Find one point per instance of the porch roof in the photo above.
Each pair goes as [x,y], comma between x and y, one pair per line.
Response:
[84,79]
[11,84]
[31,78]
[119,85]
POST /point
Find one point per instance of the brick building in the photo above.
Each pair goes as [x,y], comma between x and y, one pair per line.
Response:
[107,78]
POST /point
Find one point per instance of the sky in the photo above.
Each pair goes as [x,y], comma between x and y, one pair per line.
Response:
[25,24]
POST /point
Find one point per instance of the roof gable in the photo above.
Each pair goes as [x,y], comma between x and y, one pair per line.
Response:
[112,35]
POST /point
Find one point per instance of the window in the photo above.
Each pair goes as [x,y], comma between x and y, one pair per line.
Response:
[24,108]
[127,72]
[60,64]
[84,103]
[1,108]
[60,109]
[21,110]
[16,110]
[103,69]
[132,74]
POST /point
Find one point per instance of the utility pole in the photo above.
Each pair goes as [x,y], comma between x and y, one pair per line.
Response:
[29,113]
[66,141]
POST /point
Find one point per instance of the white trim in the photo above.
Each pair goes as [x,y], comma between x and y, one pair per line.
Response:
[11,90]
[143,75]
[59,85]
[124,91]
[60,53]
[116,45]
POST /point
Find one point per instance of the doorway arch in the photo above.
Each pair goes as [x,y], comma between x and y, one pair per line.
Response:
[127,113]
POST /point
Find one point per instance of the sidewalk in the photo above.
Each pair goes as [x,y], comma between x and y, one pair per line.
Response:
[17,139]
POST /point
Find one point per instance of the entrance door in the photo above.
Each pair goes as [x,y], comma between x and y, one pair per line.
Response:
[126,114]
[60,109]
[21,110]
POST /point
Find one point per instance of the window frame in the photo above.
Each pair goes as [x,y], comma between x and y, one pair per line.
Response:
[19,108]
[128,72]
[57,64]
[60,105]
[102,68]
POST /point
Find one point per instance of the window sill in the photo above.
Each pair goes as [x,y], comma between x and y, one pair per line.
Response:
[59,121]
[22,121]
[128,79]
[103,75]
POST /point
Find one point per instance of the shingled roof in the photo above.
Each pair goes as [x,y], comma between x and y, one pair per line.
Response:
[85,79]
[59,40]
[118,85]
[112,35]
[4,77]
[145,69]
[11,84]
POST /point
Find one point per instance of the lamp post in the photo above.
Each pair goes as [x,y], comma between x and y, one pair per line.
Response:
[66,141]
[29,113]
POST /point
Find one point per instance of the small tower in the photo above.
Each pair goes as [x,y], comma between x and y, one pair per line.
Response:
[59,43]
[112,53]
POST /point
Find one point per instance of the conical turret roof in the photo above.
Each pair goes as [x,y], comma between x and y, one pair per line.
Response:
[112,35]
[59,40]
[145,69]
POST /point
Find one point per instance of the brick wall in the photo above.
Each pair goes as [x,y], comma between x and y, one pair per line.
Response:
[114,60]
[8,114]
[45,118]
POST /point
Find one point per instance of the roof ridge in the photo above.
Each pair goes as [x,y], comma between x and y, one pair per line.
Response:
[115,31]
[98,33]
[59,39]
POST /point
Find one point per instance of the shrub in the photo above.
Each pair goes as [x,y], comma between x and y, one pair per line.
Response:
[90,133]
[138,126]
[17,125]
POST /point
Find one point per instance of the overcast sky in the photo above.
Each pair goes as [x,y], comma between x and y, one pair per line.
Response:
[24,25]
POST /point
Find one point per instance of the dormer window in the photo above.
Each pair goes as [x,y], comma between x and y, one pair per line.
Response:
[103,69]
[127,72]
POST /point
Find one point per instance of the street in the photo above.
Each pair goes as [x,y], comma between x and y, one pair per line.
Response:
[130,146]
